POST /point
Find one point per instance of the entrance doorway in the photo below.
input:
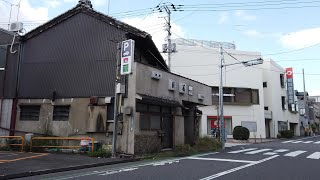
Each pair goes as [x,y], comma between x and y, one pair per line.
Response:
[167,129]
[267,125]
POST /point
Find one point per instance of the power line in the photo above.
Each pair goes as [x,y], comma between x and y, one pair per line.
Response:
[254,9]
[249,4]
[295,50]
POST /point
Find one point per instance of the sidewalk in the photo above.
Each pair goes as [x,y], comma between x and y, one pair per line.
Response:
[17,165]
[249,141]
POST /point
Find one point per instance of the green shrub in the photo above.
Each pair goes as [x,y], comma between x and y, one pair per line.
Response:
[206,144]
[287,133]
[101,153]
[241,133]
[183,150]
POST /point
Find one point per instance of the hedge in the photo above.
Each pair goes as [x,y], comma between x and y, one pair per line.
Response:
[241,133]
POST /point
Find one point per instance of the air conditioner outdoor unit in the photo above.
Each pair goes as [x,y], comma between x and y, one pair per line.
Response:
[16,26]
[200,96]
[156,75]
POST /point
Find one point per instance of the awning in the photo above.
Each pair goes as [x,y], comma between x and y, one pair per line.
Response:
[157,101]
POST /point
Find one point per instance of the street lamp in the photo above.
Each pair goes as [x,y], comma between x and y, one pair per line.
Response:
[221,118]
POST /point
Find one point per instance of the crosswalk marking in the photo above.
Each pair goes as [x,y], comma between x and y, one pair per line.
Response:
[315,155]
[295,142]
[294,153]
[276,152]
[307,142]
[242,150]
[281,150]
[288,141]
[258,151]
[318,142]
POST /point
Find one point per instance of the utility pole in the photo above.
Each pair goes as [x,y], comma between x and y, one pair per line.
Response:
[168,48]
[116,100]
[221,118]
[222,65]
[306,111]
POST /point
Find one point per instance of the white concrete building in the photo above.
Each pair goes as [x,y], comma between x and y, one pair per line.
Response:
[276,101]
[200,61]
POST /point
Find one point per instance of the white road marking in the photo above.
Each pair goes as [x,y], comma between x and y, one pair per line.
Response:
[276,152]
[295,142]
[318,142]
[307,142]
[315,155]
[218,159]
[281,150]
[237,168]
[288,141]
[127,167]
[258,151]
[270,153]
[294,153]
[242,150]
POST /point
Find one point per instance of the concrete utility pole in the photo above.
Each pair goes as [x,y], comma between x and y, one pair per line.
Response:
[168,48]
[116,100]
[221,117]
[168,28]
[306,113]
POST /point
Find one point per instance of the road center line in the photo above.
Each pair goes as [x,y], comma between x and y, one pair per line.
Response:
[237,168]
[225,160]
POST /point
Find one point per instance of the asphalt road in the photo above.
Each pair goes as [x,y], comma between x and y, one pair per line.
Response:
[286,160]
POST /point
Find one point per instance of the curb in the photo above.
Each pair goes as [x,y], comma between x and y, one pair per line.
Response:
[48,171]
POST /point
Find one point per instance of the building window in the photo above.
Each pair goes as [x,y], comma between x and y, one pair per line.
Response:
[61,113]
[3,56]
[242,95]
[302,111]
[29,113]
[255,96]
[282,126]
[283,102]
[213,125]
[150,122]
[264,84]
[266,108]
[282,80]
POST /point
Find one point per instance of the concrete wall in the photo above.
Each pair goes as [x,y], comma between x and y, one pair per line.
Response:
[273,93]
[126,142]
[159,88]
[239,113]
[5,116]
[202,64]
[82,119]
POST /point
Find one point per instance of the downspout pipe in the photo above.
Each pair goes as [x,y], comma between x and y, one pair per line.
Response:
[15,99]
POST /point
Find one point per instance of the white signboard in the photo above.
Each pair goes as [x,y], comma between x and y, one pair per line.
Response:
[127,56]
[252,126]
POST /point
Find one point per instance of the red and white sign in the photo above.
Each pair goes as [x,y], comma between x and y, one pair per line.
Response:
[289,73]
